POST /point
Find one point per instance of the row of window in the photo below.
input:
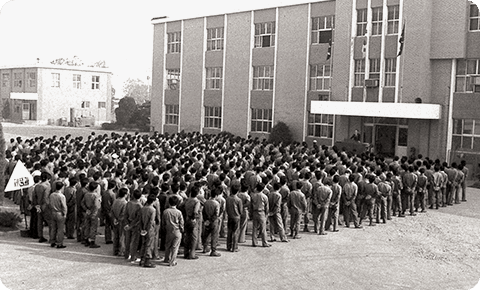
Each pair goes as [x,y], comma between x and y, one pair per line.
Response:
[86,104]
[18,80]
[264,35]
[474,18]
[319,125]
[76,81]
[32,80]
[377,20]
[374,71]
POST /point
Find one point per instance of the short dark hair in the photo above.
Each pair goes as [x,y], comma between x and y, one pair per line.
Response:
[173,200]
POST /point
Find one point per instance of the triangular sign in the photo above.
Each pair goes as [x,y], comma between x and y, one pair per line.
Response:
[20,178]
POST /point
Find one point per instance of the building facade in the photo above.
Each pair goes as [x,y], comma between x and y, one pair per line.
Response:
[54,94]
[404,73]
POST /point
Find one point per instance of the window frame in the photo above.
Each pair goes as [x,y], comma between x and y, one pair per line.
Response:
[374,68]
[95,82]
[322,25]
[377,21]
[261,120]
[460,133]
[263,78]
[359,73]
[174,41]
[319,76]
[390,72]
[102,105]
[77,81]
[173,79]
[172,114]
[393,19]
[362,22]
[474,18]
[85,104]
[465,74]
[323,124]
[32,79]
[215,38]
[5,80]
[55,80]
[262,31]
[17,79]
[213,78]
[212,117]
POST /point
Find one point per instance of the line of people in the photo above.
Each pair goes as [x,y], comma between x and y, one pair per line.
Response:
[154,193]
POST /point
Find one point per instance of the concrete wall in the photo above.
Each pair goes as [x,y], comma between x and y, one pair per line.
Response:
[192,75]
[289,104]
[237,73]
[156,114]
[416,51]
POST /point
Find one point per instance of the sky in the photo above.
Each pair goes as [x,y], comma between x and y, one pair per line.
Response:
[119,32]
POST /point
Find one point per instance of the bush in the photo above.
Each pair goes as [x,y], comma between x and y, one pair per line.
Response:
[9,219]
[109,126]
[281,133]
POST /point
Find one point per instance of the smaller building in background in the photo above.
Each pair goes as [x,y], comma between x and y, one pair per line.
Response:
[56,95]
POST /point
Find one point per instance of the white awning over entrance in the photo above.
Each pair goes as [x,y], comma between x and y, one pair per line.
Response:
[24,96]
[387,110]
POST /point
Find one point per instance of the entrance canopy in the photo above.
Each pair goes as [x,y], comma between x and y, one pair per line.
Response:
[24,96]
[388,110]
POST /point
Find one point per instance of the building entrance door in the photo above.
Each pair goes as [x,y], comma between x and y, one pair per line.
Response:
[385,140]
[25,111]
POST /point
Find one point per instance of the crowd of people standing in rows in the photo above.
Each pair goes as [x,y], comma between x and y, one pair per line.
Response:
[157,192]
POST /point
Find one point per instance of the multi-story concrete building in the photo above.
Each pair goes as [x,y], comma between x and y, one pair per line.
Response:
[405,73]
[47,94]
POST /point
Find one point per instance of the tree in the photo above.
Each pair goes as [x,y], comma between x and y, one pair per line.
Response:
[126,108]
[100,64]
[136,89]
[75,61]
[281,133]
[141,117]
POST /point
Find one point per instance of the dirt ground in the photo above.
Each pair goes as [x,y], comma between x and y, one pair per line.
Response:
[439,249]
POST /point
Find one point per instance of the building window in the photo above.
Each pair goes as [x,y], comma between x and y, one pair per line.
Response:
[213,117]
[390,71]
[474,18]
[322,28]
[215,39]
[173,42]
[466,134]
[377,16]
[374,68]
[320,77]
[214,78]
[102,105]
[77,81]
[262,120]
[5,80]
[55,80]
[95,82]
[32,79]
[361,22]
[17,80]
[359,73]
[393,16]
[320,125]
[265,34]
[85,104]
[263,78]
[173,78]
[468,75]
[171,114]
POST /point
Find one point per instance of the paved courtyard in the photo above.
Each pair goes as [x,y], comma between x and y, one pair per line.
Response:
[439,249]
